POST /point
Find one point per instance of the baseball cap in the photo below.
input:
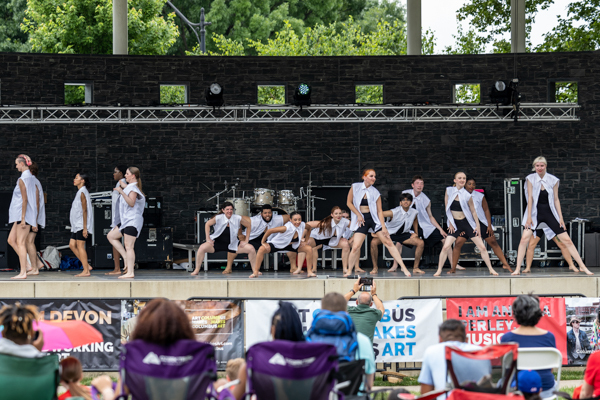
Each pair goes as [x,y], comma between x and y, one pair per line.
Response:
[529,381]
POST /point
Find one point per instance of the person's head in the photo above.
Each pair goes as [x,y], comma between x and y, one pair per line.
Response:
[400,394]
[406,200]
[530,384]
[119,172]
[364,298]
[162,322]
[22,162]
[345,214]
[539,165]
[460,178]
[267,212]
[470,186]
[526,310]
[418,183]
[296,218]
[575,323]
[17,323]
[227,209]
[452,330]
[368,177]
[132,174]
[33,168]
[325,223]
[286,324]
[82,180]
[233,368]
[71,374]
[334,301]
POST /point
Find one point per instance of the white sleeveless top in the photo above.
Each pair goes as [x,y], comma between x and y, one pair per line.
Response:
[338,229]
[401,218]
[16,204]
[463,197]
[549,233]
[358,192]
[282,240]
[478,202]
[421,203]
[221,222]
[132,216]
[114,200]
[549,181]
[76,216]
[41,212]
[258,226]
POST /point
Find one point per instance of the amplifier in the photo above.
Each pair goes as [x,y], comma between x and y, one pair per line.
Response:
[153,212]
[154,245]
[102,221]
[514,208]
[102,257]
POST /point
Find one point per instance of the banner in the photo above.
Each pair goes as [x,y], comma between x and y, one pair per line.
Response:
[219,323]
[486,319]
[104,315]
[407,328]
[582,326]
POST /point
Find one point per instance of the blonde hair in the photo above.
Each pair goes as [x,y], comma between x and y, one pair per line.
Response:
[538,160]
[136,171]
[232,369]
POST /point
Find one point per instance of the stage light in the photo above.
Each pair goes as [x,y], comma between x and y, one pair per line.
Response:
[302,95]
[214,95]
[501,93]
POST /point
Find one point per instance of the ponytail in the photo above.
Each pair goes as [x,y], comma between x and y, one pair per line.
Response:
[325,223]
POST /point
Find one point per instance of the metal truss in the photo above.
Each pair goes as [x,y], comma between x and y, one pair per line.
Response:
[194,114]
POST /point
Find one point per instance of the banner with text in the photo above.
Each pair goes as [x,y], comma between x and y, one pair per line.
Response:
[407,328]
[583,327]
[486,319]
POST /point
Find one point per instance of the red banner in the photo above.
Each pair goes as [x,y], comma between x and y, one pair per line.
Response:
[486,319]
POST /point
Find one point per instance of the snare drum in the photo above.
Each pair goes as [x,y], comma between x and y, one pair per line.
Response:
[286,198]
[263,196]
[240,206]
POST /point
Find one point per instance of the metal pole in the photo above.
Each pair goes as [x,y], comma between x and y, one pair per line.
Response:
[120,33]
[517,26]
[413,27]
[202,31]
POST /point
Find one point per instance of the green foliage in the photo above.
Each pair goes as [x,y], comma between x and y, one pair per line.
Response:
[74,94]
[85,26]
[12,39]
[466,93]
[171,94]
[565,92]
[377,11]
[369,94]
[271,95]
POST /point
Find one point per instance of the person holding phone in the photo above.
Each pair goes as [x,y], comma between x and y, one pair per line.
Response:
[364,316]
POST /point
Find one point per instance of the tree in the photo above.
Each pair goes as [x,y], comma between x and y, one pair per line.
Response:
[12,38]
[377,11]
[85,26]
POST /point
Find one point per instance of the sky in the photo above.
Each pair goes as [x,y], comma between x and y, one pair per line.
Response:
[440,16]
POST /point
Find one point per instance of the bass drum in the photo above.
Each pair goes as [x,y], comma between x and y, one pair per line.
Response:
[240,206]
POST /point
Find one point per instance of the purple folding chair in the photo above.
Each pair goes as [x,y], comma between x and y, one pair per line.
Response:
[285,370]
[182,371]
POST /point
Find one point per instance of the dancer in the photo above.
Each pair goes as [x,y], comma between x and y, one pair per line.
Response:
[365,203]
[462,221]
[34,261]
[288,238]
[82,221]
[348,234]
[326,232]
[429,229]
[543,210]
[22,213]
[486,230]
[130,218]
[403,219]
[119,176]
[537,235]
[225,238]
[258,226]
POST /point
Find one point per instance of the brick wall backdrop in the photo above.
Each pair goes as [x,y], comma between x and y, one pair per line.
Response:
[186,164]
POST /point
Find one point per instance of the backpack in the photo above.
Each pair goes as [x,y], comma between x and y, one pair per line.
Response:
[50,257]
[335,328]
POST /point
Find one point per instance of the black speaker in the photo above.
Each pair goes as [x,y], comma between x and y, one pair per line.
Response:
[102,257]
[8,257]
[5,198]
[102,221]
[154,245]
[153,212]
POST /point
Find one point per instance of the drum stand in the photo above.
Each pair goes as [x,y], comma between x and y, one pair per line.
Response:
[226,190]
[310,199]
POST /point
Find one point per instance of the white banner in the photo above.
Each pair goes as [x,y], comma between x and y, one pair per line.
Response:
[407,328]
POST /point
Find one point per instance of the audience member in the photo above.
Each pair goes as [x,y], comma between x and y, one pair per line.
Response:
[527,313]
[18,337]
[364,317]
[232,372]
[591,378]
[578,344]
[433,368]
[70,376]
[530,384]
[336,303]
[286,324]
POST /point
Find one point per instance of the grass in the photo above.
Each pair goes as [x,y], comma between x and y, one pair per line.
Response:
[407,381]
[567,375]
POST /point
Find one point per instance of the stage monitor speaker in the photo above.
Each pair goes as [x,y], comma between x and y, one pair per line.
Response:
[102,257]
[153,212]
[154,245]
[102,221]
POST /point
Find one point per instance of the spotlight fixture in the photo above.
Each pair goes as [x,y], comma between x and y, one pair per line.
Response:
[214,95]
[501,93]
[302,95]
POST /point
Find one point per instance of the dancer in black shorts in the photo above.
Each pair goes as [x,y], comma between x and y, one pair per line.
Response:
[462,221]
[365,203]
[543,210]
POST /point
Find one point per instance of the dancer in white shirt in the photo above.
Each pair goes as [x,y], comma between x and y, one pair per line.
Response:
[543,210]
[119,176]
[82,222]
[35,262]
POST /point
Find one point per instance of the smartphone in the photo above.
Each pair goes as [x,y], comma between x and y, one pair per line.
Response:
[366,284]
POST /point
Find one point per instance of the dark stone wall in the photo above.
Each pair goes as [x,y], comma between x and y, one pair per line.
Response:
[186,164]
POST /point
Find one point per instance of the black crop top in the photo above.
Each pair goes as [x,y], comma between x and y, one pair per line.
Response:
[455,206]
[294,240]
[543,198]
[364,202]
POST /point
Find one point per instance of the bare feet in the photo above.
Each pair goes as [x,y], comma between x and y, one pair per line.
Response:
[311,275]
[347,274]
[32,272]
[255,275]
[459,267]
[492,272]
[196,272]
[374,271]
[583,268]
[20,276]
[438,272]
[418,271]
[406,272]
[83,275]
[91,268]
[452,271]
[115,272]
[527,271]
[227,271]
[517,272]
[393,269]
[360,271]
[297,271]
[127,276]
[507,267]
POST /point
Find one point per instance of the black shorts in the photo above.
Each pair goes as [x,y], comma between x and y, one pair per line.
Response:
[483,231]
[434,238]
[286,248]
[401,238]
[319,242]
[545,216]
[463,228]
[129,230]
[256,242]
[19,222]
[79,235]
[222,242]
[369,224]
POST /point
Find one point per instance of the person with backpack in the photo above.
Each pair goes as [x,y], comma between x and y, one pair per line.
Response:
[333,325]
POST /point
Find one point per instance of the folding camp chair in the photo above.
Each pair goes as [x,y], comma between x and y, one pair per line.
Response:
[282,369]
[29,378]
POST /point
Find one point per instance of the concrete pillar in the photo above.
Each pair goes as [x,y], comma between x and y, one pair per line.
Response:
[120,33]
[413,27]
[517,26]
